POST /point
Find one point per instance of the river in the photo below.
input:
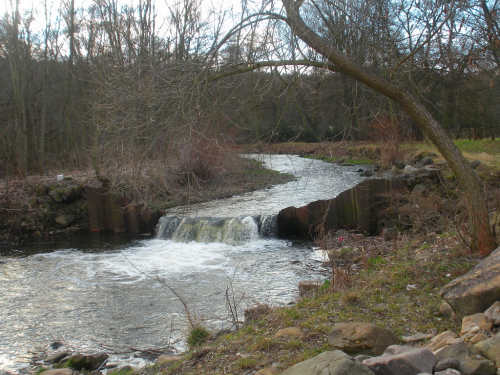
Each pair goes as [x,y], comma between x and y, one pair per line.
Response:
[108,292]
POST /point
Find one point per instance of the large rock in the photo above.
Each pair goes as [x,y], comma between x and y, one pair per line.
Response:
[86,362]
[402,360]
[329,363]
[56,357]
[59,371]
[493,313]
[361,338]
[490,349]
[441,340]
[477,290]
[472,324]
[471,360]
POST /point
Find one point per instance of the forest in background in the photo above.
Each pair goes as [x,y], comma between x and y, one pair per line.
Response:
[117,87]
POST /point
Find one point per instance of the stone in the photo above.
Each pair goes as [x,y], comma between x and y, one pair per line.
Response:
[54,194]
[441,340]
[427,161]
[290,332]
[65,220]
[361,338]
[120,370]
[490,348]
[366,173]
[308,287]
[398,360]
[56,357]
[87,362]
[446,364]
[475,164]
[449,371]
[168,358]
[416,338]
[445,310]
[420,189]
[478,338]
[475,323]
[410,170]
[256,312]
[493,313]
[477,290]
[268,371]
[471,360]
[329,363]
[59,371]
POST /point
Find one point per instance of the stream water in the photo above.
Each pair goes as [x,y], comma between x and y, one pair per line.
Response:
[109,293]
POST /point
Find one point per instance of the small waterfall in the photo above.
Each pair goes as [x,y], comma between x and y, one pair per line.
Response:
[229,230]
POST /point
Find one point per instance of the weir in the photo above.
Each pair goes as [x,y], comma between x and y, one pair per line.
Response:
[229,230]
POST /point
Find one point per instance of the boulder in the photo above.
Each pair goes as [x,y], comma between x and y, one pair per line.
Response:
[56,357]
[54,194]
[478,338]
[441,340]
[420,188]
[361,338]
[290,332]
[59,371]
[490,349]
[416,338]
[477,290]
[329,363]
[398,360]
[410,170]
[65,220]
[475,164]
[445,310]
[86,362]
[447,363]
[493,313]
[471,360]
[475,323]
[449,371]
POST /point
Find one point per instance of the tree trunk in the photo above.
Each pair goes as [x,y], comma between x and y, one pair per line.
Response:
[482,239]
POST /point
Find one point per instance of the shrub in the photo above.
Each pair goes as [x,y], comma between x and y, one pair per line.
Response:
[196,336]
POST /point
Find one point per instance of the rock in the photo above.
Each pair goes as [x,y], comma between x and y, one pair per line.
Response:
[95,372]
[168,358]
[59,371]
[268,371]
[87,362]
[410,170]
[427,161]
[120,370]
[471,360]
[308,287]
[54,194]
[475,323]
[478,338]
[441,340]
[399,164]
[490,348]
[329,363]
[256,312]
[477,290]
[398,360]
[290,332]
[366,173]
[361,338]
[493,313]
[420,189]
[446,364]
[475,164]
[65,220]
[445,310]
[449,371]
[416,338]
[56,357]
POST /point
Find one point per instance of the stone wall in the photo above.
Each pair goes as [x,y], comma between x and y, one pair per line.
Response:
[355,209]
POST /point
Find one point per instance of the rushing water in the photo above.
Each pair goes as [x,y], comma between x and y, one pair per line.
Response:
[98,292]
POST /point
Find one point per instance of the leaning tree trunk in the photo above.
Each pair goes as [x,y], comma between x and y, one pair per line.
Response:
[482,239]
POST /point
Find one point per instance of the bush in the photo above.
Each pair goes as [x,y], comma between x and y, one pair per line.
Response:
[196,336]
